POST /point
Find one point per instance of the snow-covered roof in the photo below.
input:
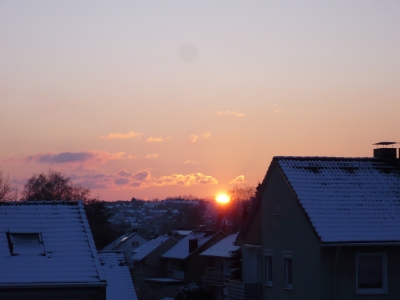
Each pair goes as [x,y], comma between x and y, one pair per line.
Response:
[223,248]
[181,249]
[182,232]
[347,199]
[119,241]
[144,250]
[61,228]
[119,280]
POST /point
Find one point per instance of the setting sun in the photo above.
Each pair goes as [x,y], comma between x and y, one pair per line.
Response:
[222,198]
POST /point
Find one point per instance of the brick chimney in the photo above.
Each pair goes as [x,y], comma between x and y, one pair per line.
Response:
[193,245]
[383,152]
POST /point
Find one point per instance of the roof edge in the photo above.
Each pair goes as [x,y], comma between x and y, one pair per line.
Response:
[92,246]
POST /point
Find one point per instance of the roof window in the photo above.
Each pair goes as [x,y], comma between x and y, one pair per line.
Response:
[25,243]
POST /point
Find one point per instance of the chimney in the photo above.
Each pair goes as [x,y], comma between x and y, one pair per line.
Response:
[384,152]
[193,245]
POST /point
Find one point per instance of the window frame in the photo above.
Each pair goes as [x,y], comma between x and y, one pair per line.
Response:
[384,288]
[288,274]
[16,243]
[268,270]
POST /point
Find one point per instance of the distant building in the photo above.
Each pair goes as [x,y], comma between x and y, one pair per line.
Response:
[183,261]
[127,243]
[146,263]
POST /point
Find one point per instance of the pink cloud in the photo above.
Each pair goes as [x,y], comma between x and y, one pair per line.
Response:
[121,136]
[230,113]
[83,157]
[157,139]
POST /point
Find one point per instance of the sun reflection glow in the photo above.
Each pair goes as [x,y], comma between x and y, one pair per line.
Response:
[222,198]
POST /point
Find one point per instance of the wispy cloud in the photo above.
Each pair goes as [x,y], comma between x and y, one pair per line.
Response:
[238,180]
[154,155]
[194,137]
[83,157]
[277,109]
[191,162]
[157,139]
[121,136]
[230,113]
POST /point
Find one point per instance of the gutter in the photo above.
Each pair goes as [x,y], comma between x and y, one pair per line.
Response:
[52,285]
[358,244]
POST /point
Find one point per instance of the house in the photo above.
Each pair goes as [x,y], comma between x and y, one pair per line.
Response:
[119,280]
[127,243]
[146,265]
[184,262]
[331,227]
[219,264]
[47,252]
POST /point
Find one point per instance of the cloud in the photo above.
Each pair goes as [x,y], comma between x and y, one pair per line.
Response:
[141,175]
[238,180]
[206,135]
[121,181]
[155,155]
[140,180]
[121,136]
[83,157]
[124,173]
[230,113]
[191,162]
[157,139]
[185,180]
[194,137]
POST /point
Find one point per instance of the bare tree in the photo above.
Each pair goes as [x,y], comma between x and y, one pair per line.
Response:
[53,186]
[242,193]
[6,192]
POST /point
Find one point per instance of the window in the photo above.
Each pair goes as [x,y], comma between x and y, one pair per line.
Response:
[25,243]
[288,269]
[371,273]
[268,267]
[135,244]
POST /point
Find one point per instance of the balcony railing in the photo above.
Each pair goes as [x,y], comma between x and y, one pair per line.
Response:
[237,290]
[214,277]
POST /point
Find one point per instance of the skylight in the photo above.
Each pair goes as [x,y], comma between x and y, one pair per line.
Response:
[25,244]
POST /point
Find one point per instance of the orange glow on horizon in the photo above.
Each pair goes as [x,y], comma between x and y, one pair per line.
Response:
[222,198]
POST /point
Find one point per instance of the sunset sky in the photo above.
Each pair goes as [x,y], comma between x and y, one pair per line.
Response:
[150,99]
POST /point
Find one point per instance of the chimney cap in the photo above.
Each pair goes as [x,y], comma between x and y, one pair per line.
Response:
[385,143]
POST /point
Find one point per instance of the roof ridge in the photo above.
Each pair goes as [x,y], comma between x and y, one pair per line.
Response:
[325,158]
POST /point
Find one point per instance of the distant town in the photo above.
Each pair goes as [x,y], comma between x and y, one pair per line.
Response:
[159,217]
